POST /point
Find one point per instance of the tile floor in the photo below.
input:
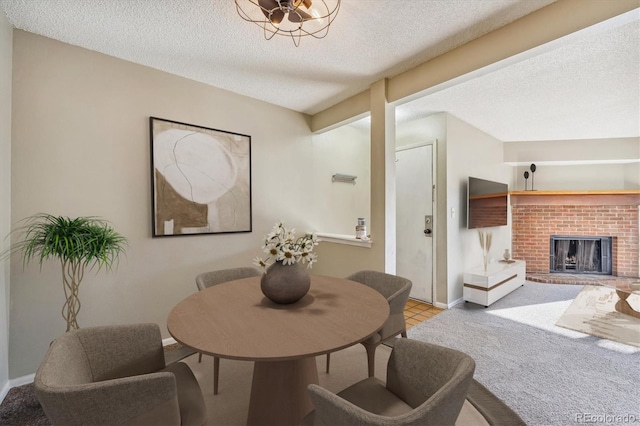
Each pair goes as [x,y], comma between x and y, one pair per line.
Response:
[415,312]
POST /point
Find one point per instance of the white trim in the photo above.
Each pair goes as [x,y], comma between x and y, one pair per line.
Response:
[574,162]
[4,391]
[434,218]
[416,145]
[168,341]
[22,380]
[455,302]
[343,239]
[14,383]
[450,305]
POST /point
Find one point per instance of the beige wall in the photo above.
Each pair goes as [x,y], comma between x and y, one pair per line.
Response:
[580,150]
[594,164]
[337,205]
[462,151]
[343,259]
[579,177]
[632,175]
[81,147]
[470,152]
[6,49]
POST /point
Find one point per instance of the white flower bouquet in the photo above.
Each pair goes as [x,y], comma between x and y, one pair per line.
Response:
[281,245]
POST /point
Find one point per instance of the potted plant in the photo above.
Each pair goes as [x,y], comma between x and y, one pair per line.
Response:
[77,243]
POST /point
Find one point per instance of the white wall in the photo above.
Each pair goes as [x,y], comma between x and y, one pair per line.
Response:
[345,150]
[632,175]
[470,152]
[463,151]
[81,147]
[578,177]
[6,51]
[422,130]
[592,164]
[580,150]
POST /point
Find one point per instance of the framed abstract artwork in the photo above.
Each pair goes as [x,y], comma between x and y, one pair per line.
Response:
[201,179]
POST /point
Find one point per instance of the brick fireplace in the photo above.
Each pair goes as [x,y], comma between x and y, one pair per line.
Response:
[539,215]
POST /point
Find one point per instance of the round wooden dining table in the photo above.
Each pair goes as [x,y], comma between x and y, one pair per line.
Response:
[235,320]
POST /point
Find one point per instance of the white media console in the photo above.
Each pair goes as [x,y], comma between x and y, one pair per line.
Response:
[500,278]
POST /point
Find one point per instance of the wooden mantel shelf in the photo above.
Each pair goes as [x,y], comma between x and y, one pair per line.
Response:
[607,197]
[587,192]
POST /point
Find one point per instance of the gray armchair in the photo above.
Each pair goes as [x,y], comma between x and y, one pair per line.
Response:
[396,290]
[209,279]
[116,375]
[426,385]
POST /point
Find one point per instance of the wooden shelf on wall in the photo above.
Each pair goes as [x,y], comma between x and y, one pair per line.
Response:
[613,197]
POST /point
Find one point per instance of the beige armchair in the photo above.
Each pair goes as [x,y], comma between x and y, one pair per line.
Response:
[116,375]
[209,279]
[426,385]
[396,290]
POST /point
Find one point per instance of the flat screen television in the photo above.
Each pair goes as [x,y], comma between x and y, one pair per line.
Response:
[486,203]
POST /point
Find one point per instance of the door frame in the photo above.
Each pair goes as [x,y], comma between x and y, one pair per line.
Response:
[434,205]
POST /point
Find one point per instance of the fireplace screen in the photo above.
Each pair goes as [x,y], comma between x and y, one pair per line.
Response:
[580,255]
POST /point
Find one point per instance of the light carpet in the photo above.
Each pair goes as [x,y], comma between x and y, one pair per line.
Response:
[348,366]
[231,405]
[547,374]
[593,312]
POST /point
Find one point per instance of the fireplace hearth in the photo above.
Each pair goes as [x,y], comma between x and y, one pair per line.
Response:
[580,255]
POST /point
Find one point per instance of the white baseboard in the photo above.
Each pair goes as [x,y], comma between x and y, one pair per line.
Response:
[448,305]
[15,382]
[168,341]
[456,302]
[22,380]
[4,391]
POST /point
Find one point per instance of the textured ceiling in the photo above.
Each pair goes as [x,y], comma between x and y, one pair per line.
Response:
[207,41]
[585,86]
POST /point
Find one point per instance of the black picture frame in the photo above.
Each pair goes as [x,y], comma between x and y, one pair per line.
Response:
[200,180]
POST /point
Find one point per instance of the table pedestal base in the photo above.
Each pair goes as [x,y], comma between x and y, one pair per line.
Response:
[279,391]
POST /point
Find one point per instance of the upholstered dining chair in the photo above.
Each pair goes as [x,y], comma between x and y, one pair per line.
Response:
[396,290]
[209,279]
[116,375]
[426,385]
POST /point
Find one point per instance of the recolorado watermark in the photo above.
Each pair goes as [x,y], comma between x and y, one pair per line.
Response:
[607,418]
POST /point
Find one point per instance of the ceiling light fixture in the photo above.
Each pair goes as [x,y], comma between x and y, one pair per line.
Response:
[293,18]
